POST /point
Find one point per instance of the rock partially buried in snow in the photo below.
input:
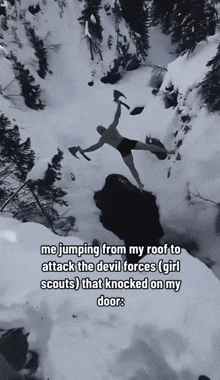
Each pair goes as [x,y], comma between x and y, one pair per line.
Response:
[7,372]
[131,215]
[13,346]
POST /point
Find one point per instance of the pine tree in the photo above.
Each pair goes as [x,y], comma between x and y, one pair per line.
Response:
[194,28]
[192,22]
[136,14]
[118,17]
[93,30]
[211,84]
[161,13]
[181,10]
[17,158]
[45,188]
[40,51]
[142,37]
[29,91]
[34,200]
[211,17]
[24,159]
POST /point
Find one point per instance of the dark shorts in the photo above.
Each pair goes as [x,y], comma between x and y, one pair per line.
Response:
[125,146]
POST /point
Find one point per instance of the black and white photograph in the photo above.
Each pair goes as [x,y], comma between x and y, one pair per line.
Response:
[109,189]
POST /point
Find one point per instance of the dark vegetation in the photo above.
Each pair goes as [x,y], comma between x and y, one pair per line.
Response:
[30,199]
[62,6]
[17,157]
[15,349]
[211,84]
[136,15]
[188,21]
[30,92]
[91,22]
[127,62]
[40,51]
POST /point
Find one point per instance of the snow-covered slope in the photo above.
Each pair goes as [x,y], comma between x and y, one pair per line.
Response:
[158,334]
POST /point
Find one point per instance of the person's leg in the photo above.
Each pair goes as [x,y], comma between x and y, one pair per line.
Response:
[129,162]
[141,146]
[153,148]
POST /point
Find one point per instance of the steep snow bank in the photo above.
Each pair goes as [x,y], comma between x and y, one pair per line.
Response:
[74,110]
[158,333]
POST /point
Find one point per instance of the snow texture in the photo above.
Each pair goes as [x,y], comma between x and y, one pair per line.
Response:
[158,334]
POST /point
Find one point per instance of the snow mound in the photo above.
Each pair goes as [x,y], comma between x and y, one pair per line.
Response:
[157,333]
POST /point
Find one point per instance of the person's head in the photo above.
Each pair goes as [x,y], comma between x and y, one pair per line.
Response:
[100,129]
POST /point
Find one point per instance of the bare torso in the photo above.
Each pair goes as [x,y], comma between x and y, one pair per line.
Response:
[112,137]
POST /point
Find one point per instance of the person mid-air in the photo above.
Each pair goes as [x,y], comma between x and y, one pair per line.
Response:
[112,137]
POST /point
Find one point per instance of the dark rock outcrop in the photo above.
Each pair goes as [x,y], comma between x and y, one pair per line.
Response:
[131,215]
[14,347]
[34,9]
[133,64]
[15,355]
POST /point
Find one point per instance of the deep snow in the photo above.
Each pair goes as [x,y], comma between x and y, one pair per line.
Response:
[160,334]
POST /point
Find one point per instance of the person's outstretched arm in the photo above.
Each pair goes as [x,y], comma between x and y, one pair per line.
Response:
[94,147]
[117,116]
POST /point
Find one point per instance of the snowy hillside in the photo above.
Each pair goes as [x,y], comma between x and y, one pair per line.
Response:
[158,334]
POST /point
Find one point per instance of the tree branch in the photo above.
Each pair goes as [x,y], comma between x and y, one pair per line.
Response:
[198,195]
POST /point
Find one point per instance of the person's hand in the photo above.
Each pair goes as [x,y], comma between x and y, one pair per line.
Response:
[171,152]
[79,148]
